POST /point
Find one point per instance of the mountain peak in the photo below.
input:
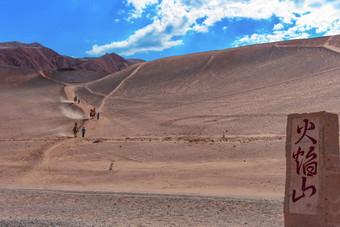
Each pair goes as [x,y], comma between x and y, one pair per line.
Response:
[36,56]
[35,44]
[16,44]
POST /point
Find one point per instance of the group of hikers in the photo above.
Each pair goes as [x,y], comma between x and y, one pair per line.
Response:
[76,99]
[92,115]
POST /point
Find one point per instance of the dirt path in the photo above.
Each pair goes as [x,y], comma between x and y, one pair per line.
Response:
[49,78]
[35,172]
[119,86]
[70,92]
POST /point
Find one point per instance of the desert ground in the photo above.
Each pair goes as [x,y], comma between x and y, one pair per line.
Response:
[191,140]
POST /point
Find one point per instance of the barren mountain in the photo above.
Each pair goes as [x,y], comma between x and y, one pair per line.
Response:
[36,56]
[107,63]
[208,124]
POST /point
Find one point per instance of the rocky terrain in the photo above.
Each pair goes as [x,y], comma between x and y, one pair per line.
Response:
[36,56]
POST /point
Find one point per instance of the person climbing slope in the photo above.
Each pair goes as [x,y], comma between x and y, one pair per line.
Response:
[83,131]
[75,129]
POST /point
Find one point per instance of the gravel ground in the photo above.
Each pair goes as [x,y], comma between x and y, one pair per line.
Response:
[19,207]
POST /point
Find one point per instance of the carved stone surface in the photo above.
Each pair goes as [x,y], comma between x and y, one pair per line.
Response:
[312,155]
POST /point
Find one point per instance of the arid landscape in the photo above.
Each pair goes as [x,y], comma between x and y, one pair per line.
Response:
[192,140]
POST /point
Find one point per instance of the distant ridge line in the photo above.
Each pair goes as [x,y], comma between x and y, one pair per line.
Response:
[39,57]
[326,45]
[330,47]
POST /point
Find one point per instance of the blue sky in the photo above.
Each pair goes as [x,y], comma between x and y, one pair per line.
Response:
[151,29]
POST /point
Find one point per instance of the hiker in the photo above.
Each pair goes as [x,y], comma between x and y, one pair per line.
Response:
[75,99]
[83,131]
[78,101]
[92,113]
[98,116]
[75,129]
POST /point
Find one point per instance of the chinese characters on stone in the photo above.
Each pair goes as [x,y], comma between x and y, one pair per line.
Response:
[306,160]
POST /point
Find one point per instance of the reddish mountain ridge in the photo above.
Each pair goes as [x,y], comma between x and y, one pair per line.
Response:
[36,56]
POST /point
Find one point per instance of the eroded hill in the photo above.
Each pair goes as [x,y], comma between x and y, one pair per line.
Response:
[36,56]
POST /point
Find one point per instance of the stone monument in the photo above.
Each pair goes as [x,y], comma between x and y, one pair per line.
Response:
[312,193]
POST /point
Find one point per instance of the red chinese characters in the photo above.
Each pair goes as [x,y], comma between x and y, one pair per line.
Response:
[306,160]
[305,129]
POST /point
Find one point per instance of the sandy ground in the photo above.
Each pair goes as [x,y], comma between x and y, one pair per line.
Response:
[182,171]
[193,140]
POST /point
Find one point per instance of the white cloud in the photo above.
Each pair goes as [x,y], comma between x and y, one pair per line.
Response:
[334,29]
[321,16]
[276,36]
[278,26]
[140,6]
[173,19]
[259,38]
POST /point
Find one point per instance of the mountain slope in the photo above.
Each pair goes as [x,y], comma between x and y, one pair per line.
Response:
[36,56]
[236,85]
[212,74]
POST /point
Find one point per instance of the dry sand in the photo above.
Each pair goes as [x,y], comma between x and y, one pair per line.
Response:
[191,140]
